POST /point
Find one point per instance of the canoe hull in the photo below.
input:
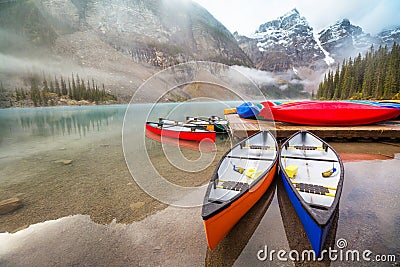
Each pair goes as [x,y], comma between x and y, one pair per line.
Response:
[191,136]
[316,234]
[247,110]
[329,113]
[316,210]
[241,178]
[192,145]
[219,225]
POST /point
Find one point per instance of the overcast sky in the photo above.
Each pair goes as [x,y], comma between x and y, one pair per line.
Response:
[245,16]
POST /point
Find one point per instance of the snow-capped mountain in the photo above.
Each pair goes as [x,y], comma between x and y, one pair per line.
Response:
[282,44]
[389,36]
[343,40]
[290,42]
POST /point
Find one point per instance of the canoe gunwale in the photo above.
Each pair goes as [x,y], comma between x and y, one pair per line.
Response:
[320,216]
[206,214]
[166,126]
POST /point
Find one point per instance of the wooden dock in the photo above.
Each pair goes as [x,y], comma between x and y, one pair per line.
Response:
[246,127]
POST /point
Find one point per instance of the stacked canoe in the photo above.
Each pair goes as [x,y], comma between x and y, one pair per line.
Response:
[328,113]
[248,110]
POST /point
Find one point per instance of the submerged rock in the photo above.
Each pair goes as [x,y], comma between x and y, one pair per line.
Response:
[9,205]
[136,205]
[64,161]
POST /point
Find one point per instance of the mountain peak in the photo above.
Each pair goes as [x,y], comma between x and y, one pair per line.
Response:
[344,28]
[291,12]
[390,35]
[344,39]
[283,43]
[285,22]
[345,22]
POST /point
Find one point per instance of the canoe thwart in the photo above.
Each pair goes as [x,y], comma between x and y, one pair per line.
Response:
[326,186]
[303,147]
[235,186]
[313,189]
[261,147]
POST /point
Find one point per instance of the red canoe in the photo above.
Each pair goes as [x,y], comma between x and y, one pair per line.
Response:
[192,145]
[328,113]
[181,132]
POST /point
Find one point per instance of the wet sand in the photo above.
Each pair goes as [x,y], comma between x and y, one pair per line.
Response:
[97,183]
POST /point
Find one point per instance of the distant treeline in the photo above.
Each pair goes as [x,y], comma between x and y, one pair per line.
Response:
[42,92]
[374,76]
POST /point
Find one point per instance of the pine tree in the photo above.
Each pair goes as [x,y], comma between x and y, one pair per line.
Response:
[347,81]
[57,89]
[35,94]
[69,89]
[45,86]
[336,83]
[52,86]
[377,75]
[74,91]
[83,90]
[64,90]
[17,95]
[78,88]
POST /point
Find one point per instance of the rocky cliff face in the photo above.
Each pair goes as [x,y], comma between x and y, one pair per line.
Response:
[119,42]
[159,32]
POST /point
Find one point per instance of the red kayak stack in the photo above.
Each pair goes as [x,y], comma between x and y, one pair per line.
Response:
[327,113]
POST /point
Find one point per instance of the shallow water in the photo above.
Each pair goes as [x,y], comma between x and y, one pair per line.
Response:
[92,212]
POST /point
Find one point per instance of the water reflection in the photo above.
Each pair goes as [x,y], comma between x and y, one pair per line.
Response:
[295,234]
[230,247]
[61,121]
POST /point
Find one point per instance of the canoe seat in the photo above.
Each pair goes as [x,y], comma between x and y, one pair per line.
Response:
[313,189]
[261,147]
[303,147]
[235,186]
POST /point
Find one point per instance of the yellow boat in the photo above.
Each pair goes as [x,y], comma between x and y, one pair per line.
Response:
[229,111]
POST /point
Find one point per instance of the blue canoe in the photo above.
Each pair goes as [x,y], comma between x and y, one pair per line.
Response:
[376,103]
[388,104]
[312,174]
[248,110]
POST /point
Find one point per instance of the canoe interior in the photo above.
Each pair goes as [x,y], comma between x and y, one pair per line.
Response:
[312,157]
[220,125]
[255,155]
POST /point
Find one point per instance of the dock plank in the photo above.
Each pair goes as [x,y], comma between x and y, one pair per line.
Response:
[245,127]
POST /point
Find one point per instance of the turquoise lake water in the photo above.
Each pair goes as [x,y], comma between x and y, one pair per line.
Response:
[92,212]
